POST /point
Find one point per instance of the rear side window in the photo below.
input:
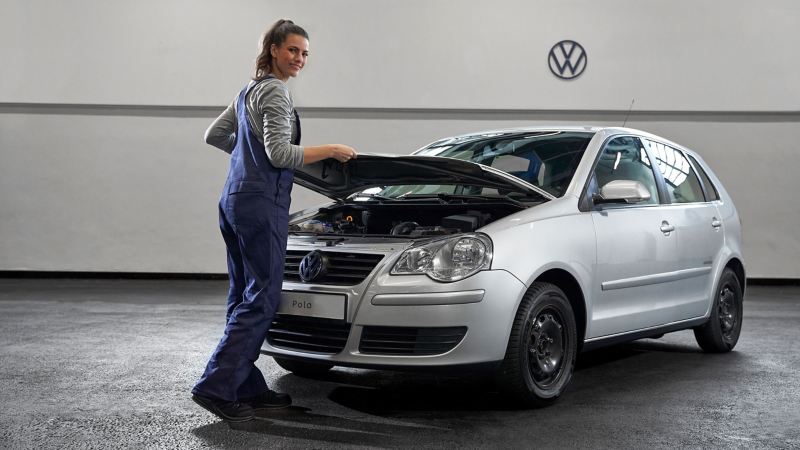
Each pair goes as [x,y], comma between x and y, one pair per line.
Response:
[711,190]
[683,186]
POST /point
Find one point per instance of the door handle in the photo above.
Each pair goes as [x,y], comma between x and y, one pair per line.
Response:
[666,228]
[716,223]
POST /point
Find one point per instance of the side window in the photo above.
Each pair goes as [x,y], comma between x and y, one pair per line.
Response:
[624,158]
[683,186]
[711,190]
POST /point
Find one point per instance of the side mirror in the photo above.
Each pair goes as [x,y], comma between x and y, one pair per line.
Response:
[622,191]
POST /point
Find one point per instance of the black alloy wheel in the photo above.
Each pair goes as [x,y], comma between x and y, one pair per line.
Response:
[727,312]
[540,357]
[721,332]
[546,347]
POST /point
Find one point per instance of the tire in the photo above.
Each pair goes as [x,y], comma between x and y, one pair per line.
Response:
[721,332]
[302,368]
[540,357]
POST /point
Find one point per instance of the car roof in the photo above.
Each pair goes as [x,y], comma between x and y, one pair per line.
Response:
[592,129]
[608,131]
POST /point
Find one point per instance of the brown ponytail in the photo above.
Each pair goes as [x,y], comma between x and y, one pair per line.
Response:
[276,35]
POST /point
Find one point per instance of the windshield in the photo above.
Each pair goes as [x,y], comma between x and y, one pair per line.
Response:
[546,159]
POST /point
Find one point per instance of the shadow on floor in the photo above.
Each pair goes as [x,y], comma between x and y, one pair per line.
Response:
[619,352]
[301,423]
[422,407]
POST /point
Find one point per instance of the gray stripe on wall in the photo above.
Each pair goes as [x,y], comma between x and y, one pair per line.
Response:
[411,113]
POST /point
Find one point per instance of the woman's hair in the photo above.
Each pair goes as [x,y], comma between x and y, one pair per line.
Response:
[277,35]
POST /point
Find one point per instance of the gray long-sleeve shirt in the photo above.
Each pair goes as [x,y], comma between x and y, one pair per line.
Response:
[269,108]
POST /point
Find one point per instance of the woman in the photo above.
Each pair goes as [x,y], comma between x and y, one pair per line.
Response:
[261,130]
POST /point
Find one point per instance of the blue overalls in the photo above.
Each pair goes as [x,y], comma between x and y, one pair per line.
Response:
[253,217]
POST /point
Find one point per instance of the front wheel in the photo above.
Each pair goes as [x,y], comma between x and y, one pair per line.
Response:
[540,357]
[302,368]
[721,332]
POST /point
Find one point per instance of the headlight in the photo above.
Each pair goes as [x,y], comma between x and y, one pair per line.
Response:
[451,259]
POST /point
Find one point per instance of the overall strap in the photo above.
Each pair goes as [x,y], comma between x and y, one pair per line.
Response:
[296,141]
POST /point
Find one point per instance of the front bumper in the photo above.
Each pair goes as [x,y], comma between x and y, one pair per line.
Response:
[483,306]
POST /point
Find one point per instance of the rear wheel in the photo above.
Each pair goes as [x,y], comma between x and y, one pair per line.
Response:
[303,368]
[540,357]
[722,330]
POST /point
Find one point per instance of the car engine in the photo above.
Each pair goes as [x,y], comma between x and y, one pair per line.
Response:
[411,220]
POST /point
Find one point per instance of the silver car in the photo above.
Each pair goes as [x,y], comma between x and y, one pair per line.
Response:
[512,250]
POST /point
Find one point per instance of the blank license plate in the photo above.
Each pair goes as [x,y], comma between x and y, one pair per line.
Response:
[312,304]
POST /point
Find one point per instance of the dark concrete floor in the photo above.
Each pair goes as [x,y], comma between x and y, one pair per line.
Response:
[109,363]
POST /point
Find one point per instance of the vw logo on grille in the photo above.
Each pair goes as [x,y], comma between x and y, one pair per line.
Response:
[313,266]
[567,60]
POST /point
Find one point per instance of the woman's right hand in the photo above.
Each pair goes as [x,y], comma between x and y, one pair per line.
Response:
[343,153]
[340,152]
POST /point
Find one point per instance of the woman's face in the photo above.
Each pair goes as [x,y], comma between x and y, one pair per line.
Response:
[289,57]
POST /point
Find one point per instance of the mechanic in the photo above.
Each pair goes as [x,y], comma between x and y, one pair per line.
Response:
[261,131]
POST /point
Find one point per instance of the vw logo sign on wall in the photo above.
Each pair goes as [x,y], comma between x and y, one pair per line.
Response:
[313,266]
[567,60]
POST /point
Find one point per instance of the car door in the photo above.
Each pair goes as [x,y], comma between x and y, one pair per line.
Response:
[698,228]
[637,248]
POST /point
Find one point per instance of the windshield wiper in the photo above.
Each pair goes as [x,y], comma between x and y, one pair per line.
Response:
[360,195]
[527,197]
[450,198]
[441,196]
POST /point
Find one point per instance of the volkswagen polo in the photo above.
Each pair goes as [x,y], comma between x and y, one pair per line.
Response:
[509,250]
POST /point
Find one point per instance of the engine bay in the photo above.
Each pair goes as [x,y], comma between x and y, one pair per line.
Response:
[413,220]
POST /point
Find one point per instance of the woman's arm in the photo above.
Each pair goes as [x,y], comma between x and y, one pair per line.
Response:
[222,132]
[341,152]
[276,106]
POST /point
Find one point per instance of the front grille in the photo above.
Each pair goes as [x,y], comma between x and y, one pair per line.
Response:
[410,340]
[308,334]
[345,269]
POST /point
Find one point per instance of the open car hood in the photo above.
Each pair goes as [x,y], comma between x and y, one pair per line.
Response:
[338,180]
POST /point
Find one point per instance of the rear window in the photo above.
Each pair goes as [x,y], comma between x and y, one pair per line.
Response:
[711,190]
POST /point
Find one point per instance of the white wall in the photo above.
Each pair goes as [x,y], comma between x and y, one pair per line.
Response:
[129,185]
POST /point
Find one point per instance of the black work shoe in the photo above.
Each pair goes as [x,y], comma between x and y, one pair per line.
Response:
[225,410]
[269,400]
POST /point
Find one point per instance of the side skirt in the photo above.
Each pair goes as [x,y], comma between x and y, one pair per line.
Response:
[596,343]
